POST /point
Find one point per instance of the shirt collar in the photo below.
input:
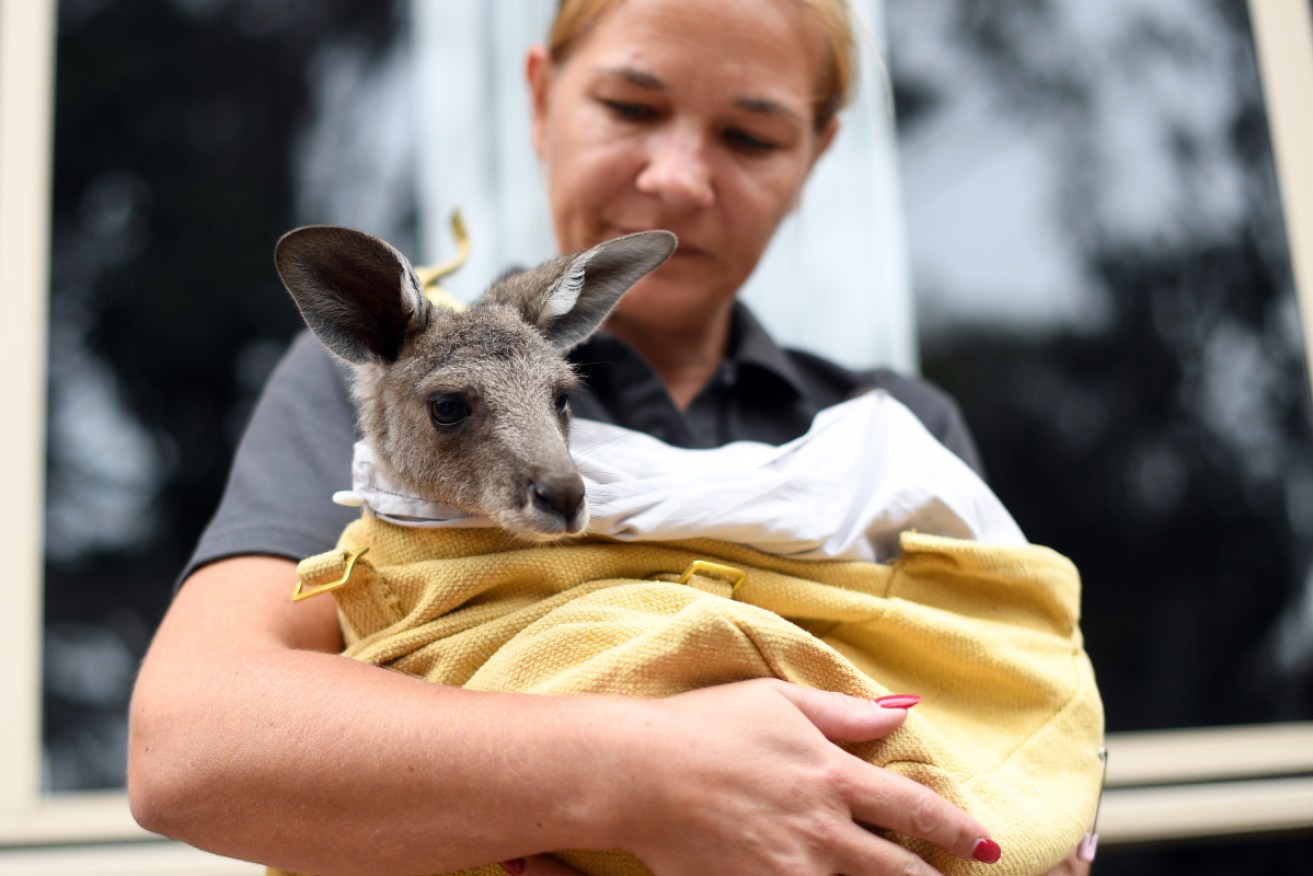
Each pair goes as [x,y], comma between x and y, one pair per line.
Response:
[758,392]
[751,345]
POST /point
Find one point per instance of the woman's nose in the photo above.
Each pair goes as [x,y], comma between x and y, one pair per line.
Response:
[678,170]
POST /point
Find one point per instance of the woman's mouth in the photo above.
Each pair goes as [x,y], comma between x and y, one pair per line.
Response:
[685,247]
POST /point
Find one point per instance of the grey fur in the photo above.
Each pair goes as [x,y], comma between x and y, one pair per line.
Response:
[415,364]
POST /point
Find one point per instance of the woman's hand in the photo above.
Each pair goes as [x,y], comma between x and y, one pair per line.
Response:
[747,778]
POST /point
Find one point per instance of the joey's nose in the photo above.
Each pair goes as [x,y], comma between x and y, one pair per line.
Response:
[563,496]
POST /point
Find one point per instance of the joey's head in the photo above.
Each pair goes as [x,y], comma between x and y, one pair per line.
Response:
[466,408]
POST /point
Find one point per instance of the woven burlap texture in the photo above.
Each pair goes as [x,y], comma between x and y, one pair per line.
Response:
[1010,721]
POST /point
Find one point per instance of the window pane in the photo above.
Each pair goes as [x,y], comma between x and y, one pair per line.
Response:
[179,123]
[1103,283]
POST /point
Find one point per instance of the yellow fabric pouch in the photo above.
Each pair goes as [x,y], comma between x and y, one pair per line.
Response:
[1010,721]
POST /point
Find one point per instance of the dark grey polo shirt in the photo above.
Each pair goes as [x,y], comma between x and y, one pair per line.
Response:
[297,448]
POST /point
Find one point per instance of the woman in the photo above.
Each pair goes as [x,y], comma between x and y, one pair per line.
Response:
[252,738]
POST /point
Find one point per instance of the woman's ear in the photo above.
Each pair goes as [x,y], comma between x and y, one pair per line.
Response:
[823,140]
[538,74]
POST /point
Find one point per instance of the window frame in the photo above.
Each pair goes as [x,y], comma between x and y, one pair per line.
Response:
[1165,785]
[1283,38]
[26,106]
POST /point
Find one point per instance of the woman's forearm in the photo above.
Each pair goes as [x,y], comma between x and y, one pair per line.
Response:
[250,740]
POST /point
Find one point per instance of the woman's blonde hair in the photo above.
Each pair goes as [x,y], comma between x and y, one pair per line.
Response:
[575,18]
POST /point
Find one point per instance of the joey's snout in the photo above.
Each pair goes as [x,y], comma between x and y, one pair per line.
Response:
[556,502]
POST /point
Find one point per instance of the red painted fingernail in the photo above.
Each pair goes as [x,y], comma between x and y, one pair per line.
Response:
[986,851]
[515,866]
[898,701]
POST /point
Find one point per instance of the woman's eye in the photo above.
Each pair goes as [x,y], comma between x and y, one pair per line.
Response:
[447,409]
[630,112]
[749,143]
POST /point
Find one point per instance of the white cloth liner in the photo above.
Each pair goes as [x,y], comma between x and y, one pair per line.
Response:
[865,471]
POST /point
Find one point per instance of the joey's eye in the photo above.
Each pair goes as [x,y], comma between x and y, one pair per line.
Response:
[562,403]
[447,409]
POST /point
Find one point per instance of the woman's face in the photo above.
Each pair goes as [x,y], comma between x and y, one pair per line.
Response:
[692,116]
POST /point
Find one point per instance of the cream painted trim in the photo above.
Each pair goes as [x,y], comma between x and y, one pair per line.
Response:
[97,817]
[27,30]
[1209,754]
[1283,37]
[1171,785]
[158,858]
[94,833]
[1181,812]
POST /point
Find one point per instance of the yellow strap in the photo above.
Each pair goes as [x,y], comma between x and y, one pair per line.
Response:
[731,575]
[349,558]
[429,277]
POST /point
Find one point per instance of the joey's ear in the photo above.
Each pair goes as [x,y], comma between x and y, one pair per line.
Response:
[357,293]
[583,294]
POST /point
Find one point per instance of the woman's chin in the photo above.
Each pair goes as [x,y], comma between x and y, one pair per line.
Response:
[672,303]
